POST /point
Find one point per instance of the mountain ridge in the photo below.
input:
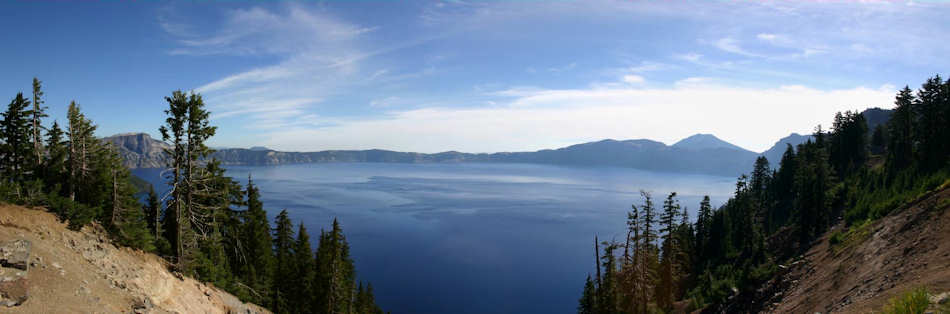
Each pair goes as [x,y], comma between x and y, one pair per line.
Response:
[139,150]
[705,141]
[697,154]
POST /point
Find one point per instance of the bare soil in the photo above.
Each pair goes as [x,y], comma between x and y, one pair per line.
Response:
[83,272]
[908,249]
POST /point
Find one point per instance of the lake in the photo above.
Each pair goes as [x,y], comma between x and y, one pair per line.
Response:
[470,238]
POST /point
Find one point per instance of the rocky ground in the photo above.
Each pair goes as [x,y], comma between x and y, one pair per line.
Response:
[46,268]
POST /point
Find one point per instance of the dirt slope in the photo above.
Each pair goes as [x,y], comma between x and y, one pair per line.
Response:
[908,249]
[82,272]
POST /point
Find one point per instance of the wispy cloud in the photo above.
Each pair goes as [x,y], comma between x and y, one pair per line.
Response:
[731,45]
[702,74]
[319,56]
[633,79]
[260,31]
[766,37]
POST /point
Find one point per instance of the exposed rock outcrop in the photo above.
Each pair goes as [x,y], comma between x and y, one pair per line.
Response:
[139,150]
[14,267]
[83,272]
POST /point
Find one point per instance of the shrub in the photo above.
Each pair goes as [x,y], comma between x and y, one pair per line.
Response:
[836,237]
[911,302]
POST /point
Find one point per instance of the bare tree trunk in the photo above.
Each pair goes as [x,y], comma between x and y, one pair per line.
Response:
[597,260]
[36,140]
[36,130]
[178,247]
[82,159]
[72,163]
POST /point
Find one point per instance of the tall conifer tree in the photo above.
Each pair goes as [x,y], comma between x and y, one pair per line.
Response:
[38,112]
[15,129]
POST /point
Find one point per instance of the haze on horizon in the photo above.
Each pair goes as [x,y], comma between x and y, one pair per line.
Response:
[474,76]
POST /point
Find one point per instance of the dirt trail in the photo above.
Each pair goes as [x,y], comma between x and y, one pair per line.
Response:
[908,249]
[83,272]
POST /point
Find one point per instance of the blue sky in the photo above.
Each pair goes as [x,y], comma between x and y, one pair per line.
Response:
[477,76]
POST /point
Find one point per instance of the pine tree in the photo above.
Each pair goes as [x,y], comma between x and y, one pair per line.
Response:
[370,301]
[365,302]
[703,222]
[900,150]
[302,288]
[152,211]
[586,303]
[259,253]
[38,113]
[284,271]
[645,255]
[879,140]
[335,273]
[812,182]
[122,214]
[54,168]
[849,142]
[173,132]
[685,241]
[782,190]
[671,211]
[17,148]
[187,128]
[213,197]
[608,294]
[931,99]
[84,186]
[83,145]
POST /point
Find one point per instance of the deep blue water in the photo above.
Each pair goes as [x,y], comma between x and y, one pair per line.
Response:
[469,238]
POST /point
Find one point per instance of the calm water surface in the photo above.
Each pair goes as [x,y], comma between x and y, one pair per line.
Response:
[469,238]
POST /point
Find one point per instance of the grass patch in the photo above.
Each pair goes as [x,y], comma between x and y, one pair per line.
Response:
[857,233]
[911,302]
[873,194]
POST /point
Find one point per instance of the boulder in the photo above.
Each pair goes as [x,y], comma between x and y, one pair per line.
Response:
[14,265]
[15,254]
[13,293]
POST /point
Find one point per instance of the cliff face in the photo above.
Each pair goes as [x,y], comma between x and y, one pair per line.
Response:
[139,150]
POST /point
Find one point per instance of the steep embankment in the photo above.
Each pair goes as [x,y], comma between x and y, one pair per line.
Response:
[83,272]
[861,271]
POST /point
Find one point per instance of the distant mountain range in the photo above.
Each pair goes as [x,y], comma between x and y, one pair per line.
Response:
[699,154]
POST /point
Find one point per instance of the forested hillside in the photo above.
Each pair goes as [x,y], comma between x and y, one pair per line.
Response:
[847,176]
[208,226]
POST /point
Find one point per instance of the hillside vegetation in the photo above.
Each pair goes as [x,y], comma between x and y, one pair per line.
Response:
[847,178]
[207,227]
[871,264]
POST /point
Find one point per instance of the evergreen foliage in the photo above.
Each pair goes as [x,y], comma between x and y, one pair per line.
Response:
[284,274]
[17,147]
[38,113]
[774,216]
[208,226]
[335,275]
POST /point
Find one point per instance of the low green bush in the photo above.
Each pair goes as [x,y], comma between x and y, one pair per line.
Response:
[911,302]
